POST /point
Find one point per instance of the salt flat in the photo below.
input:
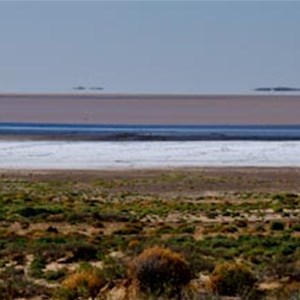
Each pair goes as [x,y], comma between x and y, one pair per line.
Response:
[59,155]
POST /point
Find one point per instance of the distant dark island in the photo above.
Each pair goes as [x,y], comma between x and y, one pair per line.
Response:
[83,88]
[96,88]
[277,89]
[79,88]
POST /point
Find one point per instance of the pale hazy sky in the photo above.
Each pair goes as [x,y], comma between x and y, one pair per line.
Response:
[176,47]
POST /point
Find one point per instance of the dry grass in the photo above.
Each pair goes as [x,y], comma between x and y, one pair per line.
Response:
[84,282]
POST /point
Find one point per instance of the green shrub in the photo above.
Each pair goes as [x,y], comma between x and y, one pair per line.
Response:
[14,284]
[288,198]
[186,229]
[84,252]
[296,227]
[229,229]
[165,229]
[37,266]
[277,225]
[114,268]
[232,279]
[129,229]
[55,275]
[160,270]
[30,212]
[241,223]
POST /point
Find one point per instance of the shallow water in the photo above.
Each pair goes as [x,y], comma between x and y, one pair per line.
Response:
[126,155]
[153,132]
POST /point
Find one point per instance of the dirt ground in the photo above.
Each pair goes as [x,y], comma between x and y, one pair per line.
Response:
[201,179]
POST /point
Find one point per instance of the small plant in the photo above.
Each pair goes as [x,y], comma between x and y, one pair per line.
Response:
[241,223]
[36,267]
[55,275]
[186,229]
[128,230]
[160,270]
[85,282]
[14,284]
[277,225]
[232,279]
[114,268]
[260,228]
[229,229]
[211,214]
[296,227]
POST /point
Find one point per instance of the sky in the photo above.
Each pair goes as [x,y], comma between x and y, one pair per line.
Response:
[149,47]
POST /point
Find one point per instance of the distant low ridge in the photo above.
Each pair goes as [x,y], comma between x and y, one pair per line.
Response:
[277,89]
[93,88]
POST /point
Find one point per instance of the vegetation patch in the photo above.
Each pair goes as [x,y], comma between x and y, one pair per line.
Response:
[158,233]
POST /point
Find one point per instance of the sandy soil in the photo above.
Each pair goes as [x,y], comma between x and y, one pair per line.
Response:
[150,109]
[203,179]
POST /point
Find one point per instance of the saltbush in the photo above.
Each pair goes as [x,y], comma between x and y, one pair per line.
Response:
[85,282]
[232,279]
[277,225]
[161,271]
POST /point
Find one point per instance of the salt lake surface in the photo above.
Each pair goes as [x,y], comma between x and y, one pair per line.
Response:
[93,155]
[266,109]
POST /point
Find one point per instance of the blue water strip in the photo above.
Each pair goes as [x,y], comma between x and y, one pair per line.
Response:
[155,132]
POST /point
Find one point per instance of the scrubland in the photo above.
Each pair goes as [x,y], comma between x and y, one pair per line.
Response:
[173,234]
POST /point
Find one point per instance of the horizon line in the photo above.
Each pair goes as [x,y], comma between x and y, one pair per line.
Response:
[145,94]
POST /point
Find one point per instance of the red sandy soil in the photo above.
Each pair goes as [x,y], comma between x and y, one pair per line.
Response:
[150,109]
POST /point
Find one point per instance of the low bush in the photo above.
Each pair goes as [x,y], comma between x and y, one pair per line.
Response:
[37,266]
[85,282]
[57,275]
[232,279]
[296,227]
[114,268]
[14,284]
[277,225]
[30,212]
[229,229]
[186,229]
[241,223]
[128,230]
[161,271]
